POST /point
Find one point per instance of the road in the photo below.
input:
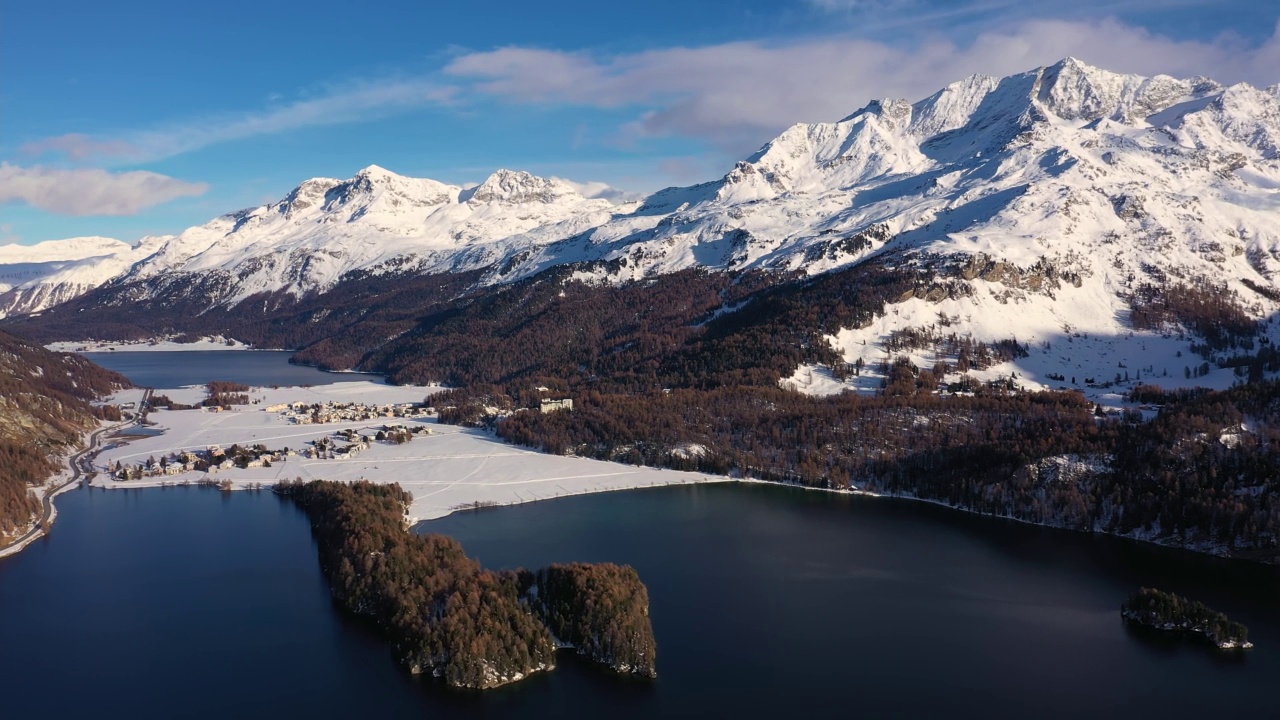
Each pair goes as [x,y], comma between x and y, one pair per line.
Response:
[80,464]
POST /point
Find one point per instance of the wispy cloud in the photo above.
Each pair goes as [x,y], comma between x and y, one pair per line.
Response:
[861,5]
[364,101]
[735,94]
[78,147]
[601,190]
[875,15]
[90,191]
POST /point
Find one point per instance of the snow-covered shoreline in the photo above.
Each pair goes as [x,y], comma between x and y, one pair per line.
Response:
[453,468]
[154,345]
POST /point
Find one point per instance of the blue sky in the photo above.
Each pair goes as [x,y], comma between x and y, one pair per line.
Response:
[132,118]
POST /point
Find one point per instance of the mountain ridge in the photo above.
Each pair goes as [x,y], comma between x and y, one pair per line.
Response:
[1049,200]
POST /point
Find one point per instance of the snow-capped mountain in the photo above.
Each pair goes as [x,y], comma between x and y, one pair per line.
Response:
[1050,196]
[327,228]
[35,277]
[1040,203]
[321,231]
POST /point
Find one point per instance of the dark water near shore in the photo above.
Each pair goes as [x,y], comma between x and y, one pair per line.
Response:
[171,369]
[767,602]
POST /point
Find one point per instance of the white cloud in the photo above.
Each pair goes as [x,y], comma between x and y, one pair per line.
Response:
[595,189]
[737,94]
[364,101]
[77,146]
[851,5]
[90,191]
[958,18]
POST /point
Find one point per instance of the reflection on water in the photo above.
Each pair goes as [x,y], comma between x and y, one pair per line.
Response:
[766,601]
[136,431]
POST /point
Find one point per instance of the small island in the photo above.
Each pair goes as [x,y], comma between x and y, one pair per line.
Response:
[1166,612]
[445,614]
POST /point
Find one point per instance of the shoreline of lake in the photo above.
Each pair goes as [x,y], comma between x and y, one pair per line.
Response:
[269,363]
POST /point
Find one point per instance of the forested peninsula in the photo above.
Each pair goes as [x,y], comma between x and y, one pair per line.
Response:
[443,613]
[1169,613]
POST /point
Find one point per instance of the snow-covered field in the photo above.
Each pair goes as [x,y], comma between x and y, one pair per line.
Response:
[450,469]
[215,343]
[1104,359]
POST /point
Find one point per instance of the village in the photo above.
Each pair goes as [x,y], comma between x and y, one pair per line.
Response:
[305,413]
[343,444]
[380,433]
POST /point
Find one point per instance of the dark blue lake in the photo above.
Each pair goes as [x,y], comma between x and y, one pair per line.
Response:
[767,602]
[171,369]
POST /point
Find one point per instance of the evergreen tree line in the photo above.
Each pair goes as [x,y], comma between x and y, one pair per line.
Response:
[1212,312]
[224,393]
[1167,612]
[1189,477]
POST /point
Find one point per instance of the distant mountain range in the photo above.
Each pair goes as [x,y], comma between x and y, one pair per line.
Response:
[1044,206]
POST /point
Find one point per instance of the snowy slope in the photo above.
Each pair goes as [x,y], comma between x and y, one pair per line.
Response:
[1050,195]
[377,220]
[34,277]
[973,158]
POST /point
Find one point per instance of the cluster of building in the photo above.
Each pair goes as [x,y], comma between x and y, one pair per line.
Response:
[343,445]
[328,449]
[211,459]
[303,413]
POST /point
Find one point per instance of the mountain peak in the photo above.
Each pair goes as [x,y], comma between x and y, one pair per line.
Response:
[375,185]
[376,171]
[1075,90]
[952,106]
[1075,64]
[894,112]
[307,194]
[518,186]
[75,248]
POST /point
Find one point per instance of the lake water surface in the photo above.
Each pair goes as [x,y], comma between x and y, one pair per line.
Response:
[172,369]
[766,601]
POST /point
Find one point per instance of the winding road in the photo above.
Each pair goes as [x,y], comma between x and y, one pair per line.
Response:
[80,465]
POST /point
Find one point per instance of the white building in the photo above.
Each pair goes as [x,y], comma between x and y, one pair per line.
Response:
[554,405]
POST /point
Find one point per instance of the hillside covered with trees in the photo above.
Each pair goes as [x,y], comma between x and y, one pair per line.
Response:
[683,370]
[708,399]
[443,613]
[44,410]
[1191,477]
